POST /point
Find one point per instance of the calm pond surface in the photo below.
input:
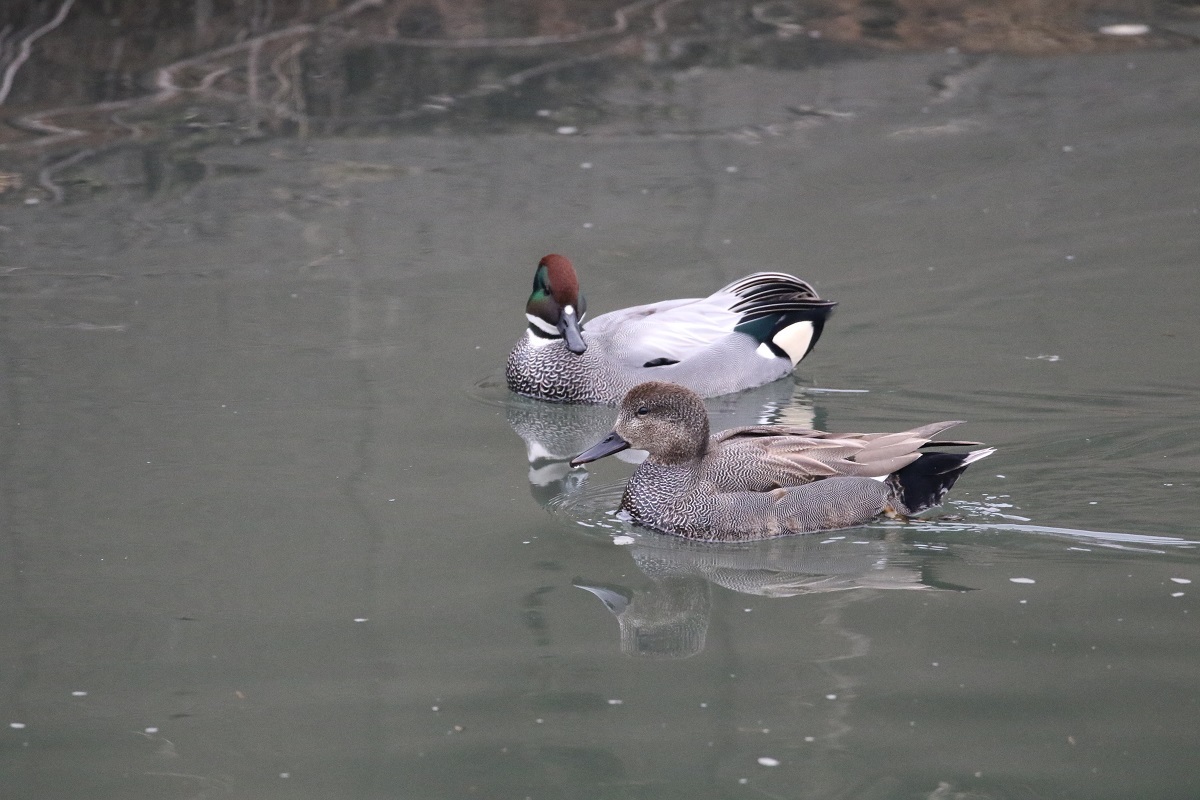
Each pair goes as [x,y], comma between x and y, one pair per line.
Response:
[270,527]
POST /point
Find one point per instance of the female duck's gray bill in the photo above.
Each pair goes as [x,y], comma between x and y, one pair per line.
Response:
[613,443]
[568,326]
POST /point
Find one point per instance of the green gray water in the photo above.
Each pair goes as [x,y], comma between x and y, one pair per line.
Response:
[263,501]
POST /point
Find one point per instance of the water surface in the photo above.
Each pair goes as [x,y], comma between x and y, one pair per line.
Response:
[270,529]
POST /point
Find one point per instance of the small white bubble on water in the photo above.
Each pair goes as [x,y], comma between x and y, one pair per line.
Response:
[78,694]
[285,775]
[587,224]
[1125,29]
[16,726]
[567,130]
[1022,580]
[1177,594]
[543,112]
[810,738]
[614,701]
[360,619]
[731,169]
[151,730]
[831,697]
[623,540]
[767,761]
[1181,580]
[586,165]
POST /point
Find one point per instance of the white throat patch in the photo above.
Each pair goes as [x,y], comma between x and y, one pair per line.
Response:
[543,326]
[533,340]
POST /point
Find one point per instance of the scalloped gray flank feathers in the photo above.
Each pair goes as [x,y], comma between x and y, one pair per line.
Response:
[757,482]
[751,332]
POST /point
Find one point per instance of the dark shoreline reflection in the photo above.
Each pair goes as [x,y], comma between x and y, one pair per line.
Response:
[669,618]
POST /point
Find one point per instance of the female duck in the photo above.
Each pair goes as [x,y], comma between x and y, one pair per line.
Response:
[761,481]
[751,332]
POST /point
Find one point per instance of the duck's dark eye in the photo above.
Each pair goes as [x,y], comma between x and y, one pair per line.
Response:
[643,411]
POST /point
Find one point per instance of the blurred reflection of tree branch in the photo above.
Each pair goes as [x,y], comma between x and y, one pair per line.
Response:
[619,26]
[27,47]
[262,74]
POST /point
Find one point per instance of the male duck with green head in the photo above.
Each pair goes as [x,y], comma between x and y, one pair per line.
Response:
[751,332]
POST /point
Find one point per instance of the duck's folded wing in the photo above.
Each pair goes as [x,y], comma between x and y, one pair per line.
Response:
[761,464]
[667,332]
[762,306]
[926,432]
[763,458]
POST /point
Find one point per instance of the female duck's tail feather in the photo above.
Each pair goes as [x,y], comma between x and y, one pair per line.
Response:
[924,483]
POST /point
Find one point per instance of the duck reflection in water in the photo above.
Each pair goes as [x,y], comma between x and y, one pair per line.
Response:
[670,617]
